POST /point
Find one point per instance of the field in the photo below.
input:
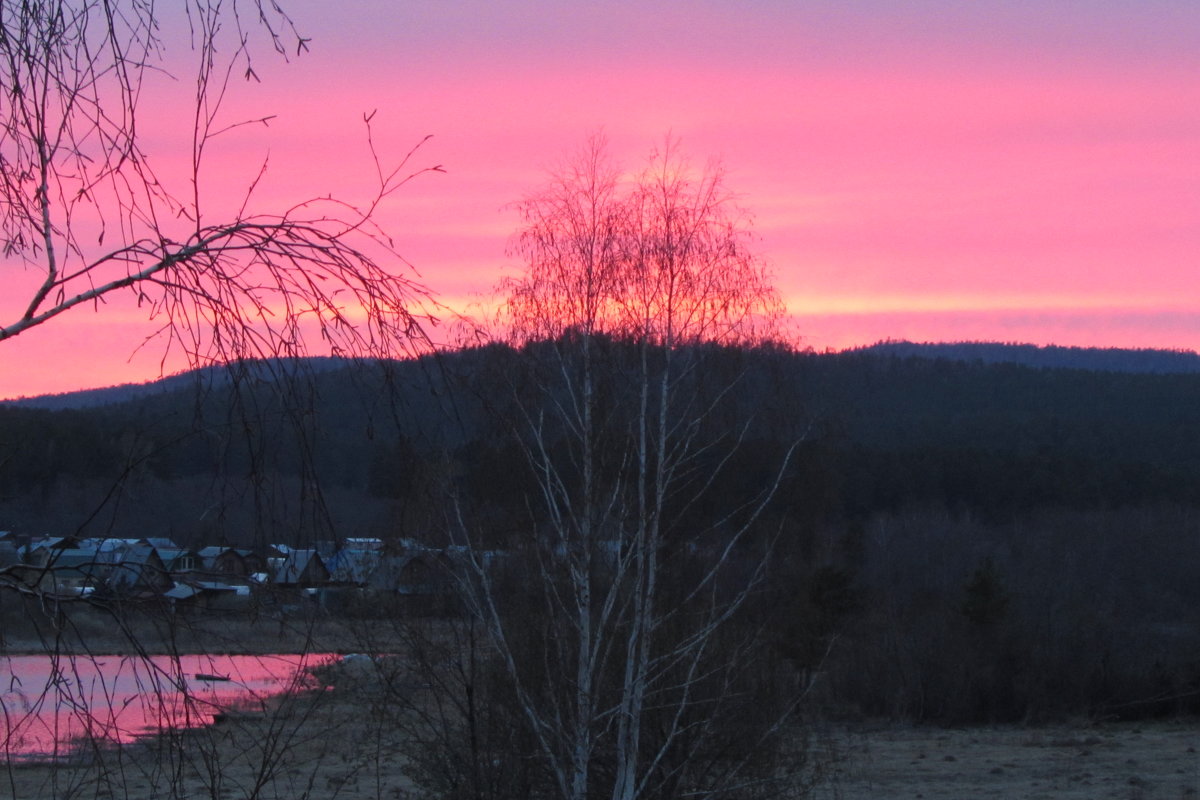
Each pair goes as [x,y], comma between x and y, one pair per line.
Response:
[1096,761]
[332,744]
[329,745]
[27,628]
[325,756]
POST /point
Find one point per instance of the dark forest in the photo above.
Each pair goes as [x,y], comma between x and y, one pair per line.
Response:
[953,540]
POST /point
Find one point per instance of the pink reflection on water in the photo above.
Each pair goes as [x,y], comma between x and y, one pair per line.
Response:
[51,706]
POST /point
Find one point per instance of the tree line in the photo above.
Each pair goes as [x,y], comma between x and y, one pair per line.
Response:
[949,541]
[877,434]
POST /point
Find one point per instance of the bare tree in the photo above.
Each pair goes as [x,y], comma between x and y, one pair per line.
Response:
[84,207]
[620,620]
[91,210]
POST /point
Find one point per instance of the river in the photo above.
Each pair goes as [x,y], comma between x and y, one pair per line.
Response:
[52,706]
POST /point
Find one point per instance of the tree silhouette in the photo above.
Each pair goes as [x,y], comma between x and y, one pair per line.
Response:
[614,626]
[83,206]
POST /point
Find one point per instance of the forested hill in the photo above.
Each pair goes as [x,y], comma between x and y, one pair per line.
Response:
[954,539]
[190,381]
[1110,359]
[880,433]
[1050,356]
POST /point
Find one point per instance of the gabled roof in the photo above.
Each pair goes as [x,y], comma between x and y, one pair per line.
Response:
[301,566]
[136,565]
[390,571]
[225,559]
[131,555]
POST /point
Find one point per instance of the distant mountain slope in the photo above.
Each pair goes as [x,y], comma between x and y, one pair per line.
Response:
[206,377]
[107,396]
[1111,359]
[882,429]
[1147,361]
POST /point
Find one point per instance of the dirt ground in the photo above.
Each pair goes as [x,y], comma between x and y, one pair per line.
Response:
[91,631]
[1118,761]
[323,750]
[326,744]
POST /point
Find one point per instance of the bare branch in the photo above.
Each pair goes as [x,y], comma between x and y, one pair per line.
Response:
[635,658]
[75,173]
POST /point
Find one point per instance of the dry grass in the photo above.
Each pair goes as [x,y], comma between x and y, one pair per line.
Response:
[80,628]
[1156,761]
[335,743]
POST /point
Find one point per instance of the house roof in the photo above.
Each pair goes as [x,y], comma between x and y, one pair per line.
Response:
[354,566]
[162,543]
[71,557]
[131,555]
[299,565]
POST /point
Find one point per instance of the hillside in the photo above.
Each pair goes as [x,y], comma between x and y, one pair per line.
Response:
[1110,359]
[1141,361]
[983,541]
[882,431]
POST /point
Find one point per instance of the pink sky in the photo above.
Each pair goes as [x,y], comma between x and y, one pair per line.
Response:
[929,170]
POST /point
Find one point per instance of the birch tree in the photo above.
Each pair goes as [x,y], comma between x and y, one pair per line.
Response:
[620,626]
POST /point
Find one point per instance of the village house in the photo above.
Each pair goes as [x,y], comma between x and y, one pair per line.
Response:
[179,560]
[221,576]
[39,551]
[133,570]
[300,568]
[223,561]
[61,571]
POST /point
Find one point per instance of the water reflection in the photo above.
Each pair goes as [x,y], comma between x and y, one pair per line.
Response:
[51,706]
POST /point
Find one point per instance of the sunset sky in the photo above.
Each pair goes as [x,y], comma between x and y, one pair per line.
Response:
[1016,170]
